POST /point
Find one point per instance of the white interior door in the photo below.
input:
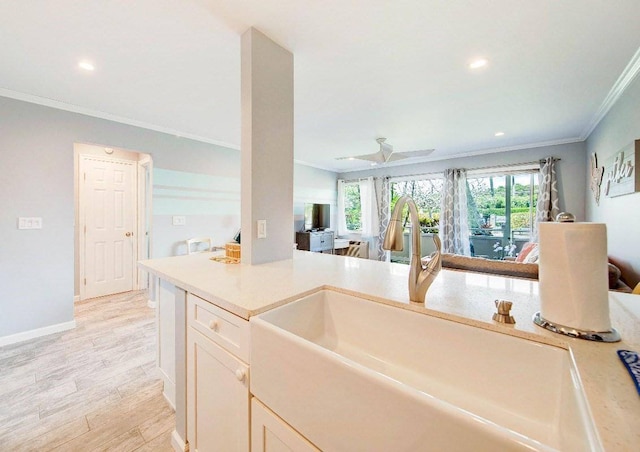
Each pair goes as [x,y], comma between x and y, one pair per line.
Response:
[108,212]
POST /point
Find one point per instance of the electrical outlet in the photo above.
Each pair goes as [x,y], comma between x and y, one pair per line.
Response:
[179,220]
[262,229]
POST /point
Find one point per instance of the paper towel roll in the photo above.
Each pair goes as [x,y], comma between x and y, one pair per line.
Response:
[573,275]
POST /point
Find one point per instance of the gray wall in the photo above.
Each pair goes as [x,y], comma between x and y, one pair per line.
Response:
[312,185]
[198,180]
[571,170]
[619,127]
[267,148]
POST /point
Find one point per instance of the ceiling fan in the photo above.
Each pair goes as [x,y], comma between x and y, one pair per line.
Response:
[386,154]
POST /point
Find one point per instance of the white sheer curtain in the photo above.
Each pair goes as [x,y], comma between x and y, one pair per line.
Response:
[454,224]
[342,220]
[369,206]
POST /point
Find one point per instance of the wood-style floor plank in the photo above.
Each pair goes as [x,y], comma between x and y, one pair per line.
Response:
[95,387]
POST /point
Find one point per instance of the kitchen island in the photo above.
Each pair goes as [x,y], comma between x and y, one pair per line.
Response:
[226,296]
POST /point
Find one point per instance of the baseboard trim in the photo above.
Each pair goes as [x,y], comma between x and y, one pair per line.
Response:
[169,388]
[76,298]
[32,334]
[152,304]
[178,443]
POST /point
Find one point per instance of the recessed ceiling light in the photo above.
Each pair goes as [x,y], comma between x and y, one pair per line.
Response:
[499,134]
[351,158]
[476,64]
[374,163]
[86,65]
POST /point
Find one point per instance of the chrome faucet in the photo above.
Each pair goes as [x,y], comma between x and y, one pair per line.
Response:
[421,276]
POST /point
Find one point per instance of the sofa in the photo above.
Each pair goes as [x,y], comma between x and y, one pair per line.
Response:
[517,269]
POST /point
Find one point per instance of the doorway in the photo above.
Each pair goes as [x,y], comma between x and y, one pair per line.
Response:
[113,219]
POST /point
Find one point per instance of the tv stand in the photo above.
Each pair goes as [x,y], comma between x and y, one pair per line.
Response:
[316,241]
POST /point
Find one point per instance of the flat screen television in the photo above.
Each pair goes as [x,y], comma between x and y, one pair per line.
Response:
[317,217]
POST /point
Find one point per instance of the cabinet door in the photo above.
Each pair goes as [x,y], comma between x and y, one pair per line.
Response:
[217,397]
[315,240]
[328,241]
[269,433]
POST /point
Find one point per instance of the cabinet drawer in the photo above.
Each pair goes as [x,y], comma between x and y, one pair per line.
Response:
[225,329]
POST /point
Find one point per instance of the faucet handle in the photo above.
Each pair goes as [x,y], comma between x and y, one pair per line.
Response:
[504,309]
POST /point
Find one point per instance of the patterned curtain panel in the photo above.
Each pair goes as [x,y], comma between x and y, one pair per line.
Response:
[547,207]
[384,205]
[454,225]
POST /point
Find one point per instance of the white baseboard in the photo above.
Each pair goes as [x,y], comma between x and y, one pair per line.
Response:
[76,298]
[32,334]
[168,400]
[178,443]
[152,304]
[169,388]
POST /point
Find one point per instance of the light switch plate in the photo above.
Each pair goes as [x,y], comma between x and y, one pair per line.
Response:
[29,222]
[262,229]
[179,220]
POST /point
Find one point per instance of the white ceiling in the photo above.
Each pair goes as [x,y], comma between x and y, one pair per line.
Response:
[363,69]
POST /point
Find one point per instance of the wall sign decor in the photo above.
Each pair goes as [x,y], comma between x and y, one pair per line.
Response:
[596,177]
[622,177]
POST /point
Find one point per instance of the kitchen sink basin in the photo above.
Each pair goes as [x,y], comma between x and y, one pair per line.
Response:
[351,374]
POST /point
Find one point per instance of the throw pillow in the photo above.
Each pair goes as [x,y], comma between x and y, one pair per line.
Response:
[614,275]
[526,249]
[533,255]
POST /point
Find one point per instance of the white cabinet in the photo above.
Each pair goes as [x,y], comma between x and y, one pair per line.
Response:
[269,433]
[217,380]
[319,241]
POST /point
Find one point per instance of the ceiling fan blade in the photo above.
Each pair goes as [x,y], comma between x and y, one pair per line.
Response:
[396,156]
[377,157]
[413,154]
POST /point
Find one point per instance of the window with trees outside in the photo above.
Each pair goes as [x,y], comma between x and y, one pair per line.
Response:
[427,194]
[502,209]
[352,208]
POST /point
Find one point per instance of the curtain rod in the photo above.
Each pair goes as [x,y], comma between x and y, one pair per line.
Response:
[505,165]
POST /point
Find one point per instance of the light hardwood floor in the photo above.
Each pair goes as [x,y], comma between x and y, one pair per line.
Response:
[87,389]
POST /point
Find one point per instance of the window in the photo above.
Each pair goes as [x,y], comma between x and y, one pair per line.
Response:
[501,212]
[501,209]
[352,207]
[426,193]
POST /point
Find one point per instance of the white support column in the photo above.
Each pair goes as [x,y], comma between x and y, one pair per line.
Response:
[267,149]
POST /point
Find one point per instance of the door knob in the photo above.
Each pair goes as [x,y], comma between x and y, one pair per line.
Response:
[128,234]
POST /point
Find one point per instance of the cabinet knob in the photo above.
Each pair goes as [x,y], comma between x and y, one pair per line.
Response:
[240,374]
[213,325]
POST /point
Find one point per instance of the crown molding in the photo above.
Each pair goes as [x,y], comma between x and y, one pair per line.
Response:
[539,144]
[47,102]
[313,165]
[628,75]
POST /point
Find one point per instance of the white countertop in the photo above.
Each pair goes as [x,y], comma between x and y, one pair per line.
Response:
[465,297]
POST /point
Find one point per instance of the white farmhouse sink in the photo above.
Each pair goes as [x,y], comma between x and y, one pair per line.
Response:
[351,374]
